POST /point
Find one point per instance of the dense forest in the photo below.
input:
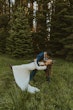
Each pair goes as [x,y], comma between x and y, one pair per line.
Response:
[28,27]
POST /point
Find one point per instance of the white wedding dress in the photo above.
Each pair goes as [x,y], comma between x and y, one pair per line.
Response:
[22,75]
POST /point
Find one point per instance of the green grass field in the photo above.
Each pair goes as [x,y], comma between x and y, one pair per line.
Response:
[56,95]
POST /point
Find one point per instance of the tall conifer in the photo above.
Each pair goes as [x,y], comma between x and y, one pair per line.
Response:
[19,43]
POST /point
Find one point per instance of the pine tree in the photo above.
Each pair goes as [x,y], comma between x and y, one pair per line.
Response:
[59,28]
[40,37]
[68,41]
[3,32]
[19,44]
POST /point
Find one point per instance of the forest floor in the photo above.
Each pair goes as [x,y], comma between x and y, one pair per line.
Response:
[56,95]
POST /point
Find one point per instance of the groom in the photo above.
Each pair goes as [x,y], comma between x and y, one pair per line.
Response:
[42,56]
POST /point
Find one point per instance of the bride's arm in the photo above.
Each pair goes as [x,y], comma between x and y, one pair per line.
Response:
[39,67]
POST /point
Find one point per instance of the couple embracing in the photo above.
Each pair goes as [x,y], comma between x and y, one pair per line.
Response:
[24,73]
[44,59]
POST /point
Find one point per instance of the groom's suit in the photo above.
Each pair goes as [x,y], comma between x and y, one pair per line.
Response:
[38,58]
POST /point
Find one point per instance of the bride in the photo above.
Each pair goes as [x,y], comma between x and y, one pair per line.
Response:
[22,75]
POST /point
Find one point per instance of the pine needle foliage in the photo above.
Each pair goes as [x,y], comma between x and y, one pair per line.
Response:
[19,44]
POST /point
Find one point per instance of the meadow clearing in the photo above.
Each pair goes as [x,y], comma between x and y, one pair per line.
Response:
[56,95]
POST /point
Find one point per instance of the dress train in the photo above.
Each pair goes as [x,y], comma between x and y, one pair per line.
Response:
[22,75]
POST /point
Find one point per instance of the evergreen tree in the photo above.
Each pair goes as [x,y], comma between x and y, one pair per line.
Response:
[59,28]
[40,37]
[19,44]
[62,29]
[3,32]
[68,41]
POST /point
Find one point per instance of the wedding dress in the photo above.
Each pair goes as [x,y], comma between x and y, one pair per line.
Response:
[22,75]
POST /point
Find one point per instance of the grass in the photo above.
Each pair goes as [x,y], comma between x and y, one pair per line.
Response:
[56,95]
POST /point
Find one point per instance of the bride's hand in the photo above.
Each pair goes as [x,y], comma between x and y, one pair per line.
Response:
[41,63]
[34,60]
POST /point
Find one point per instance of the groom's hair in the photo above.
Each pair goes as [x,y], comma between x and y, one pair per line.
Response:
[49,53]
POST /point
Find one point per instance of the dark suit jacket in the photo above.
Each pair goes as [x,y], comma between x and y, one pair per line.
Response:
[40,57]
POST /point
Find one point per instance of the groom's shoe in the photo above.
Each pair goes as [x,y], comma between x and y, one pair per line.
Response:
[10,66]
[32,74]
[48,79]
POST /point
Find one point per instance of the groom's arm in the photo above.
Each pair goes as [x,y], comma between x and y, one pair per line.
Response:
[40,57]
